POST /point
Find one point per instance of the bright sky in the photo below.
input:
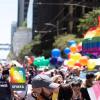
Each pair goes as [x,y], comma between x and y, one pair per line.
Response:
[8,14]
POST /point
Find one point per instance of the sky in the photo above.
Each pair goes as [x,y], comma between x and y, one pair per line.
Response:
[8,14]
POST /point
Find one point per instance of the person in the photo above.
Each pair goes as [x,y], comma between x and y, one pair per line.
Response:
[90,77]
[76,85]
[65,92]
[5,89]
[88,83]
[58,79]
[29,91]
[43,87]
[1,69]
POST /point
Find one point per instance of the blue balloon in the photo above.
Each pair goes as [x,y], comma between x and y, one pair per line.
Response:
[71,42]
[66,50]
[56,53]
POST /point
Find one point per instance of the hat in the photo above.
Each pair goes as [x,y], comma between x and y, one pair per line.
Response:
[43,81]
[90,75]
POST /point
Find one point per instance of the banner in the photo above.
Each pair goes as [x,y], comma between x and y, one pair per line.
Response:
[94,91]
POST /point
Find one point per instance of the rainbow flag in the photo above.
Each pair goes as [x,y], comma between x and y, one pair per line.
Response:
[94,91]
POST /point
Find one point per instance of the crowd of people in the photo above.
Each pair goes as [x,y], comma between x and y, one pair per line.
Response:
[49,84]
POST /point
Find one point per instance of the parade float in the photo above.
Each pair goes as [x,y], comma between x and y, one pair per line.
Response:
[91,42]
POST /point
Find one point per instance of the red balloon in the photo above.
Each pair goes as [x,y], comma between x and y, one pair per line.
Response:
[32,58]
[78,64]
[69,55]
[79,47]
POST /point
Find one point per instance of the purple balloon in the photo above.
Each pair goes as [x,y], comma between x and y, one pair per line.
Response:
[53,61]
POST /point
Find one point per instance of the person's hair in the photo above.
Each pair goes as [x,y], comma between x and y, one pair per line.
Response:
[51,74]
[76,83]
[61,73]
[65,92]
[5,72]
[90,75]
[56,72]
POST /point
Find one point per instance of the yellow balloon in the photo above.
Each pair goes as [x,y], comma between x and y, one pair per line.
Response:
[71,62]
[91,65]
[76,56]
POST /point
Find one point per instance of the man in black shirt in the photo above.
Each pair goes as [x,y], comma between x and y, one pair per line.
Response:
[5,90]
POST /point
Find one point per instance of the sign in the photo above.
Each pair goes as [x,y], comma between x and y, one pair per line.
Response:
[17,78]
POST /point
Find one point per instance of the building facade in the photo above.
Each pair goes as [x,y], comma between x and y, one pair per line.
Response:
[21,38]
[13,30]
[22,11]
[30,14]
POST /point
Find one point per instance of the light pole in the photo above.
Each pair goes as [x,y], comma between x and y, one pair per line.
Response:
[55,26]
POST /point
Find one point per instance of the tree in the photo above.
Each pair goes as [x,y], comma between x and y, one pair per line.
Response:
[88,20]
[25,51]
[61,40]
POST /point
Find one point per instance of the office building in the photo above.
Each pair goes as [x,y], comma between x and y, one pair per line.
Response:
[13,30]
[21,38]
[22,11]
[30,14]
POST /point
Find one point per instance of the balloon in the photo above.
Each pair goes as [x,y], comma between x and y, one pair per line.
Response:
[41,61]
[69,55]
[65,62]
[79,47]
[73,48]
[76,56]
[46,62]
[71,63]
[78,64]
[83,60]
[30,61]
[71,42]
[59,59]
[53,61]
[91,65]
[66,51]
[56,53]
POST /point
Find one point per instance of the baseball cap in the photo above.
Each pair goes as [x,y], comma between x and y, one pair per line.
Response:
[43,81]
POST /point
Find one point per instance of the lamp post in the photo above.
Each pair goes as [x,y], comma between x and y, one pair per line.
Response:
[55,26]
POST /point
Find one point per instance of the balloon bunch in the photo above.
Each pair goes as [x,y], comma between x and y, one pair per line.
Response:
[41,62]
[75,58]
[56,58]
[73,47]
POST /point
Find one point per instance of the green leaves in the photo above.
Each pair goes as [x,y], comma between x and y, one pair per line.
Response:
[61,41]
[88,20]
